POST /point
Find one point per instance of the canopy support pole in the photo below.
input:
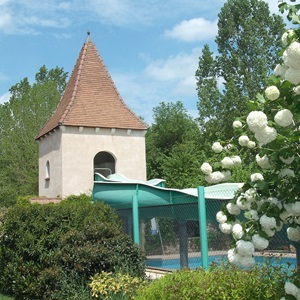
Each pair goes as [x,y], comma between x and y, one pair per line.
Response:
[202,226]
[135,219]
[183,244]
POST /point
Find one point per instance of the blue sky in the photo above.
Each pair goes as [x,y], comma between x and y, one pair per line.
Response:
[150,47]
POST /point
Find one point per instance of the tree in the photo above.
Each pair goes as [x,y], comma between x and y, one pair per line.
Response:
[28,109]
[248,40]
[209,97]
[172,126]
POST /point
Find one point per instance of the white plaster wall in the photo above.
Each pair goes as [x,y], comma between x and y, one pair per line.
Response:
[79,147]
[50,150]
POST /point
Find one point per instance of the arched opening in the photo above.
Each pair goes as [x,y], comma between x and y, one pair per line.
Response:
[104,163]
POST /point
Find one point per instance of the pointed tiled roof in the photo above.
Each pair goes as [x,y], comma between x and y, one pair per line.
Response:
[91,98]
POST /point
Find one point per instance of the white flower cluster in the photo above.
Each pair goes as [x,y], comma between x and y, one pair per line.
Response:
[287,160]
[257,177]
[290,70]
[242,254]
[218,176]
[272,92]
[284,118]
[263,162]
[217,147]
[258,123]
[226,163]
[237,124]
[244,141]
[292,289]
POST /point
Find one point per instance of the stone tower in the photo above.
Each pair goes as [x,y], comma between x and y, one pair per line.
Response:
[91,128]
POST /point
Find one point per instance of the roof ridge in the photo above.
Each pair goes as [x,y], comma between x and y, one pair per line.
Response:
[73,98]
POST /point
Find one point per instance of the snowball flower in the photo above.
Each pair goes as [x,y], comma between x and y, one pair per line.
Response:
[263,162]
[293,234]
[296,90]
[215,177]
[284,118]
[236,160]
[244,248]
[237,124]
[225,228]
[287,173]
[259,242]
[267,222]
[280,70]
[286,35]
[242,203]
[233,256]
[266,135]
[269,232]
[251,145]
[288,160]
[257,120]
[251,214]
[250,194]
[272,92]
[291,56]
[217,147]
[292,75]
[226,175]
[257,177]
[295,208]
[291,289]
[227,163]
[237,231]
[243,140]
[206,168]
[246,261]
[233,209]
[221,217]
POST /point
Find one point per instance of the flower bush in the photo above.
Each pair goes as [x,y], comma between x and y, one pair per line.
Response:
[220,282]
[270,197]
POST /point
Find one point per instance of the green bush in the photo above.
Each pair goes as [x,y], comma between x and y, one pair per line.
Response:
[218,283]
[108,285]
[46,250]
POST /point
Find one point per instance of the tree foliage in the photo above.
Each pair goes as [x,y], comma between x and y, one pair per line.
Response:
[46,249]
[28,109]
[172,145]
[248,40]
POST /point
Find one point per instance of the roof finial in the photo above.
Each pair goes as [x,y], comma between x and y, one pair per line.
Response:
[88,38]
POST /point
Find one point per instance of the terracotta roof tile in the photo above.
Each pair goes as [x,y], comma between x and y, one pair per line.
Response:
[91,98]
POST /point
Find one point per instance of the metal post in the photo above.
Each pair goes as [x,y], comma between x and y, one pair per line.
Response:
[202,226]
[135,219]
[183,244]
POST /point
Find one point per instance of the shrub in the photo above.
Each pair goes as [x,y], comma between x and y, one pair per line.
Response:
[46,249]
[108,285]
[219,282]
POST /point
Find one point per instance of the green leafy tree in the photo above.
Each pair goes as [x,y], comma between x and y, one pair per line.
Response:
[209,102]
[248,41]
[172,127]
[29,107]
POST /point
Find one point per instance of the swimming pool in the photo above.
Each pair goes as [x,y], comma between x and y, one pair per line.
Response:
[195,262]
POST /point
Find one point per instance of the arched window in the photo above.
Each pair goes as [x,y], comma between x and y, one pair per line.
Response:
[47,177]
[104,163]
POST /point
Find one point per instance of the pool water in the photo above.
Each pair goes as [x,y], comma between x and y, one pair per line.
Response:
[195,262]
